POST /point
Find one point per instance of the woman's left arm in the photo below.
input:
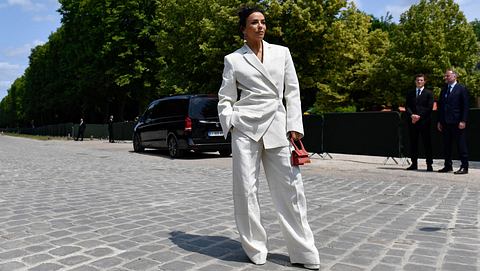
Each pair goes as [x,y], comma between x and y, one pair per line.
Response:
[292,98]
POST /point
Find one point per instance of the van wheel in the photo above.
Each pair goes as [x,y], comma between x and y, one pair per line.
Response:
[225,153]
[137,144]
[173,149]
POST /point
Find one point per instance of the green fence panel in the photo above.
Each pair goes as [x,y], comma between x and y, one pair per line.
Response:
[313,137]
[364,133]
[123,130]
[93,131]
[473,134]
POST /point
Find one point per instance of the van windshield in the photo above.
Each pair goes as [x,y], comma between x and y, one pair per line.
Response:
[203,107]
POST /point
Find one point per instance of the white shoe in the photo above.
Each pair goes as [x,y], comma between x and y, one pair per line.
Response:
[312,266]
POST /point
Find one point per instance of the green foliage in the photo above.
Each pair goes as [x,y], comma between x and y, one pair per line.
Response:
[432,36]
[384,23]
[113,57]
[476,28]
[192,40]
[332,48]
[36,137]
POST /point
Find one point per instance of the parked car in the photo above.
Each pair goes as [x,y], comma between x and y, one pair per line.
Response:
[181,123]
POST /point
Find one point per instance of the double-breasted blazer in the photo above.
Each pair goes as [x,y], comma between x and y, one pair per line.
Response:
[251,95]
[421,105]
[453,108]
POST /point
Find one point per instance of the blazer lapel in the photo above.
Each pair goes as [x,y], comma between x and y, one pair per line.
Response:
[253,60]
[453,89]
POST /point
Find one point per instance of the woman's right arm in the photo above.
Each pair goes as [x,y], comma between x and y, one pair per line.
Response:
[227,96]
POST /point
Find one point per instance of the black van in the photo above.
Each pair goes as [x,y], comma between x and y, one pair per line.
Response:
[181,123]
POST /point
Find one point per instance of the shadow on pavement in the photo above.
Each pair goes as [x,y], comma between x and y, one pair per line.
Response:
[392,168]
[214,246]
[188,155]
[220,247]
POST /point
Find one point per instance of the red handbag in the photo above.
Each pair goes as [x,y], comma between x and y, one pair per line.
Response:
[299,155]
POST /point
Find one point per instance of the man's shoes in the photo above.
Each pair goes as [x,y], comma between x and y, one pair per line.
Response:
[445,169]
[429,168]
[462,170]
[412,167]
[312,266]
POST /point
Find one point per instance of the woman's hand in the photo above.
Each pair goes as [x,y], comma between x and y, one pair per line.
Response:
[295,135]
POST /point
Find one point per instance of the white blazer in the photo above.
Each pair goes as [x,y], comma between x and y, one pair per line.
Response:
[259,112]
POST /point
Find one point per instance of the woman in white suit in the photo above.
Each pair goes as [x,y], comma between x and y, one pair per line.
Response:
[256,78]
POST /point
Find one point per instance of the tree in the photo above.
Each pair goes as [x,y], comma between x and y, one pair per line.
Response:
[332,48]
[476,28]
[11,113]
[113,57]
[384,23]
[130,55]
[432,36]
[192,40]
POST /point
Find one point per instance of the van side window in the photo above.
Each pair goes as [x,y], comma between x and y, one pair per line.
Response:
[148,114]
[175,108]
[178,108]
[204,107]
[157,110]
[170,108]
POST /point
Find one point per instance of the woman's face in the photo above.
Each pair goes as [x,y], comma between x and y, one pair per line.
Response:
[255,28]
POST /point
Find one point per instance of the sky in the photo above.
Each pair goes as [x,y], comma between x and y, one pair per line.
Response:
[471,8]
[25,24]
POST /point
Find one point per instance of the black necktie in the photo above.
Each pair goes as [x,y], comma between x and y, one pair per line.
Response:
[448,91]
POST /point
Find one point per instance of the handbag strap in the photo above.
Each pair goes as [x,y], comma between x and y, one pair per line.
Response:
[295,145]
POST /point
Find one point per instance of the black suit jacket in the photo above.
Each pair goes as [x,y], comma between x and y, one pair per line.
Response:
[421,105]
[82,127]
[453,109]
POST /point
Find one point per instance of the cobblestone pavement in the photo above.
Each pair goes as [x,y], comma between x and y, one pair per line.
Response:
[91,205]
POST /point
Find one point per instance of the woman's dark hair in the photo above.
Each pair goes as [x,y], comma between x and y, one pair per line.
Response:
[243,15]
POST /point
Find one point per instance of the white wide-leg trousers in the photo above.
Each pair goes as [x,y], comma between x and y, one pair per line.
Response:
[286,187]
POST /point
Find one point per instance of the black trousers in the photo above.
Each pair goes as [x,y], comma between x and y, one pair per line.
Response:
[451,133]
[422,131]
[80,135]
[110,135]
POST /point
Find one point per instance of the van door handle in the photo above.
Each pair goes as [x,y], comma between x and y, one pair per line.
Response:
[209,122]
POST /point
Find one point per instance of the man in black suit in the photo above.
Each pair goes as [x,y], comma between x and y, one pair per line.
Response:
[110,130]
[419,105]
[452,120]
[81,130]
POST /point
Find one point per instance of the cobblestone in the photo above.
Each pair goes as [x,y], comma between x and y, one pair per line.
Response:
[91,205]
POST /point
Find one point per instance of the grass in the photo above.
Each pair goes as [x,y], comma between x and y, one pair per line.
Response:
[37,137]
